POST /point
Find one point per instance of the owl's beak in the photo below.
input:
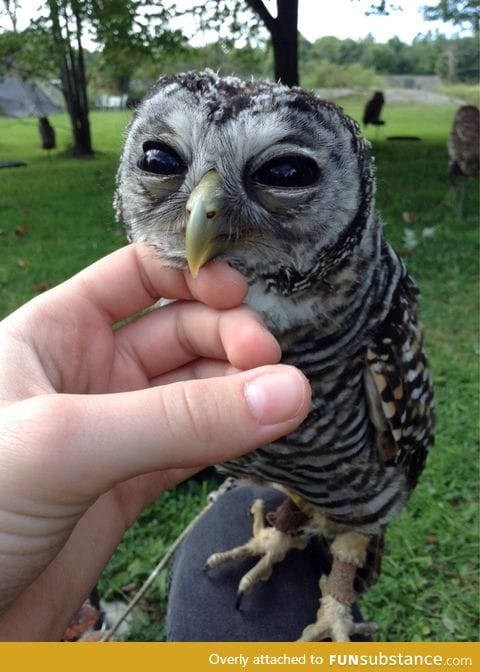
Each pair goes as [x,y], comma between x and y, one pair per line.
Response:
[203,222]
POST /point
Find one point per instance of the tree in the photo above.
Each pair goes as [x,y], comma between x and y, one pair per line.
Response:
[130,32]
[123,28]
[10,8]
[66,18]
[51,46]
[382,7]
[380,57]
[238,15]
[284,34]
[458,12]
[117,25]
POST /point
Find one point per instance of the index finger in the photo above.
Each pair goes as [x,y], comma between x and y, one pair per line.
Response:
[134,277]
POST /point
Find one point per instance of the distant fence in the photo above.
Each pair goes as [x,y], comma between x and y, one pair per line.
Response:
[106,102]
[419,82]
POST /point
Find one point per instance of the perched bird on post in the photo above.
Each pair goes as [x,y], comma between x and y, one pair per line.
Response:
[373,110]
[47,133]
[280,185]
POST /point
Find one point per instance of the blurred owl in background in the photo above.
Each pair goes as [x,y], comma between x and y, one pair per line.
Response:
[463,150]
[463,142]
[373,110]
[280,185]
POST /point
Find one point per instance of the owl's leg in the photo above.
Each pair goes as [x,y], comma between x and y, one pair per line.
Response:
[334,618]
[270,543]
[462,192]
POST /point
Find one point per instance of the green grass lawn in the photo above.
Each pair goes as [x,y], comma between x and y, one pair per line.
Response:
[56,217]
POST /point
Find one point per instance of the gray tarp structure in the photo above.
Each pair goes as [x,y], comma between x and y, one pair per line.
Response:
[19,98]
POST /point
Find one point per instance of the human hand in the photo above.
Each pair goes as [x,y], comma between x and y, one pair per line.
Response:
[95,422]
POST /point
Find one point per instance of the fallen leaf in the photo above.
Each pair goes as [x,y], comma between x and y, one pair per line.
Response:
[428,231]
[431,539]
[409,217]
[41,286]
[84,619]
[410,240]
[22,263]
[22,230]
[129,588]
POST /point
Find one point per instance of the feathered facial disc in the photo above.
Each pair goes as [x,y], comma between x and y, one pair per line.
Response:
[254,172]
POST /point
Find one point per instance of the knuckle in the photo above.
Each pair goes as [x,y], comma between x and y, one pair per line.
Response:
[196,413]
[49,419]
[37,430]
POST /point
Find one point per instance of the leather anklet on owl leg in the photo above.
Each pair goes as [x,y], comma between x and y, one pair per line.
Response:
[271,543]
[334,618]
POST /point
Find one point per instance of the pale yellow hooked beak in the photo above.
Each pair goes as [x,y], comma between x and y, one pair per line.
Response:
[203,222]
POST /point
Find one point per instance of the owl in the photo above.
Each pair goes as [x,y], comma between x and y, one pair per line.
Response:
[463,150]
[463,142]
[373,110]
[281,185]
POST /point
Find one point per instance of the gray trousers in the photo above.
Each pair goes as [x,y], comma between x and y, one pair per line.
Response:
[201,604]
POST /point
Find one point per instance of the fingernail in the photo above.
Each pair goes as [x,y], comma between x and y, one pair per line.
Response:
[276,396]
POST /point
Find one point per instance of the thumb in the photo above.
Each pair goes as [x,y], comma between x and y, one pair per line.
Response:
[101,440]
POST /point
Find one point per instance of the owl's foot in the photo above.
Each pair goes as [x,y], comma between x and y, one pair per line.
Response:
[268,542]
[335,622]
[334,618]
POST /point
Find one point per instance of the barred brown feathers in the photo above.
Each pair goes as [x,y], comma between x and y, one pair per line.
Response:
[294,184]
[463,142]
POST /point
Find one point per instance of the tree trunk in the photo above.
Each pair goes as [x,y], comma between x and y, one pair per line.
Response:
[85,138]
[285,42]
[72,75]
[284,32]
[77,111]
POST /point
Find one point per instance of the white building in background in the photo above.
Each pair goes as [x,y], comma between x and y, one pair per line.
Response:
[107,102]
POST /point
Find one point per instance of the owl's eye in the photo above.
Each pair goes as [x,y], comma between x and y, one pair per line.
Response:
[288,171]
[161,159]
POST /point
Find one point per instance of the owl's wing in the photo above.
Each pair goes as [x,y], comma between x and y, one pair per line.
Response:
[399,387]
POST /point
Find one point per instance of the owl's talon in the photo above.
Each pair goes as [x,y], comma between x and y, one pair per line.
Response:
[335,622]
[257,508]
[364,629]
[238,601]
[269,543]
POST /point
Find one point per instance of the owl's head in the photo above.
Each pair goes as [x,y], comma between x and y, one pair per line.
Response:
[260,174]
